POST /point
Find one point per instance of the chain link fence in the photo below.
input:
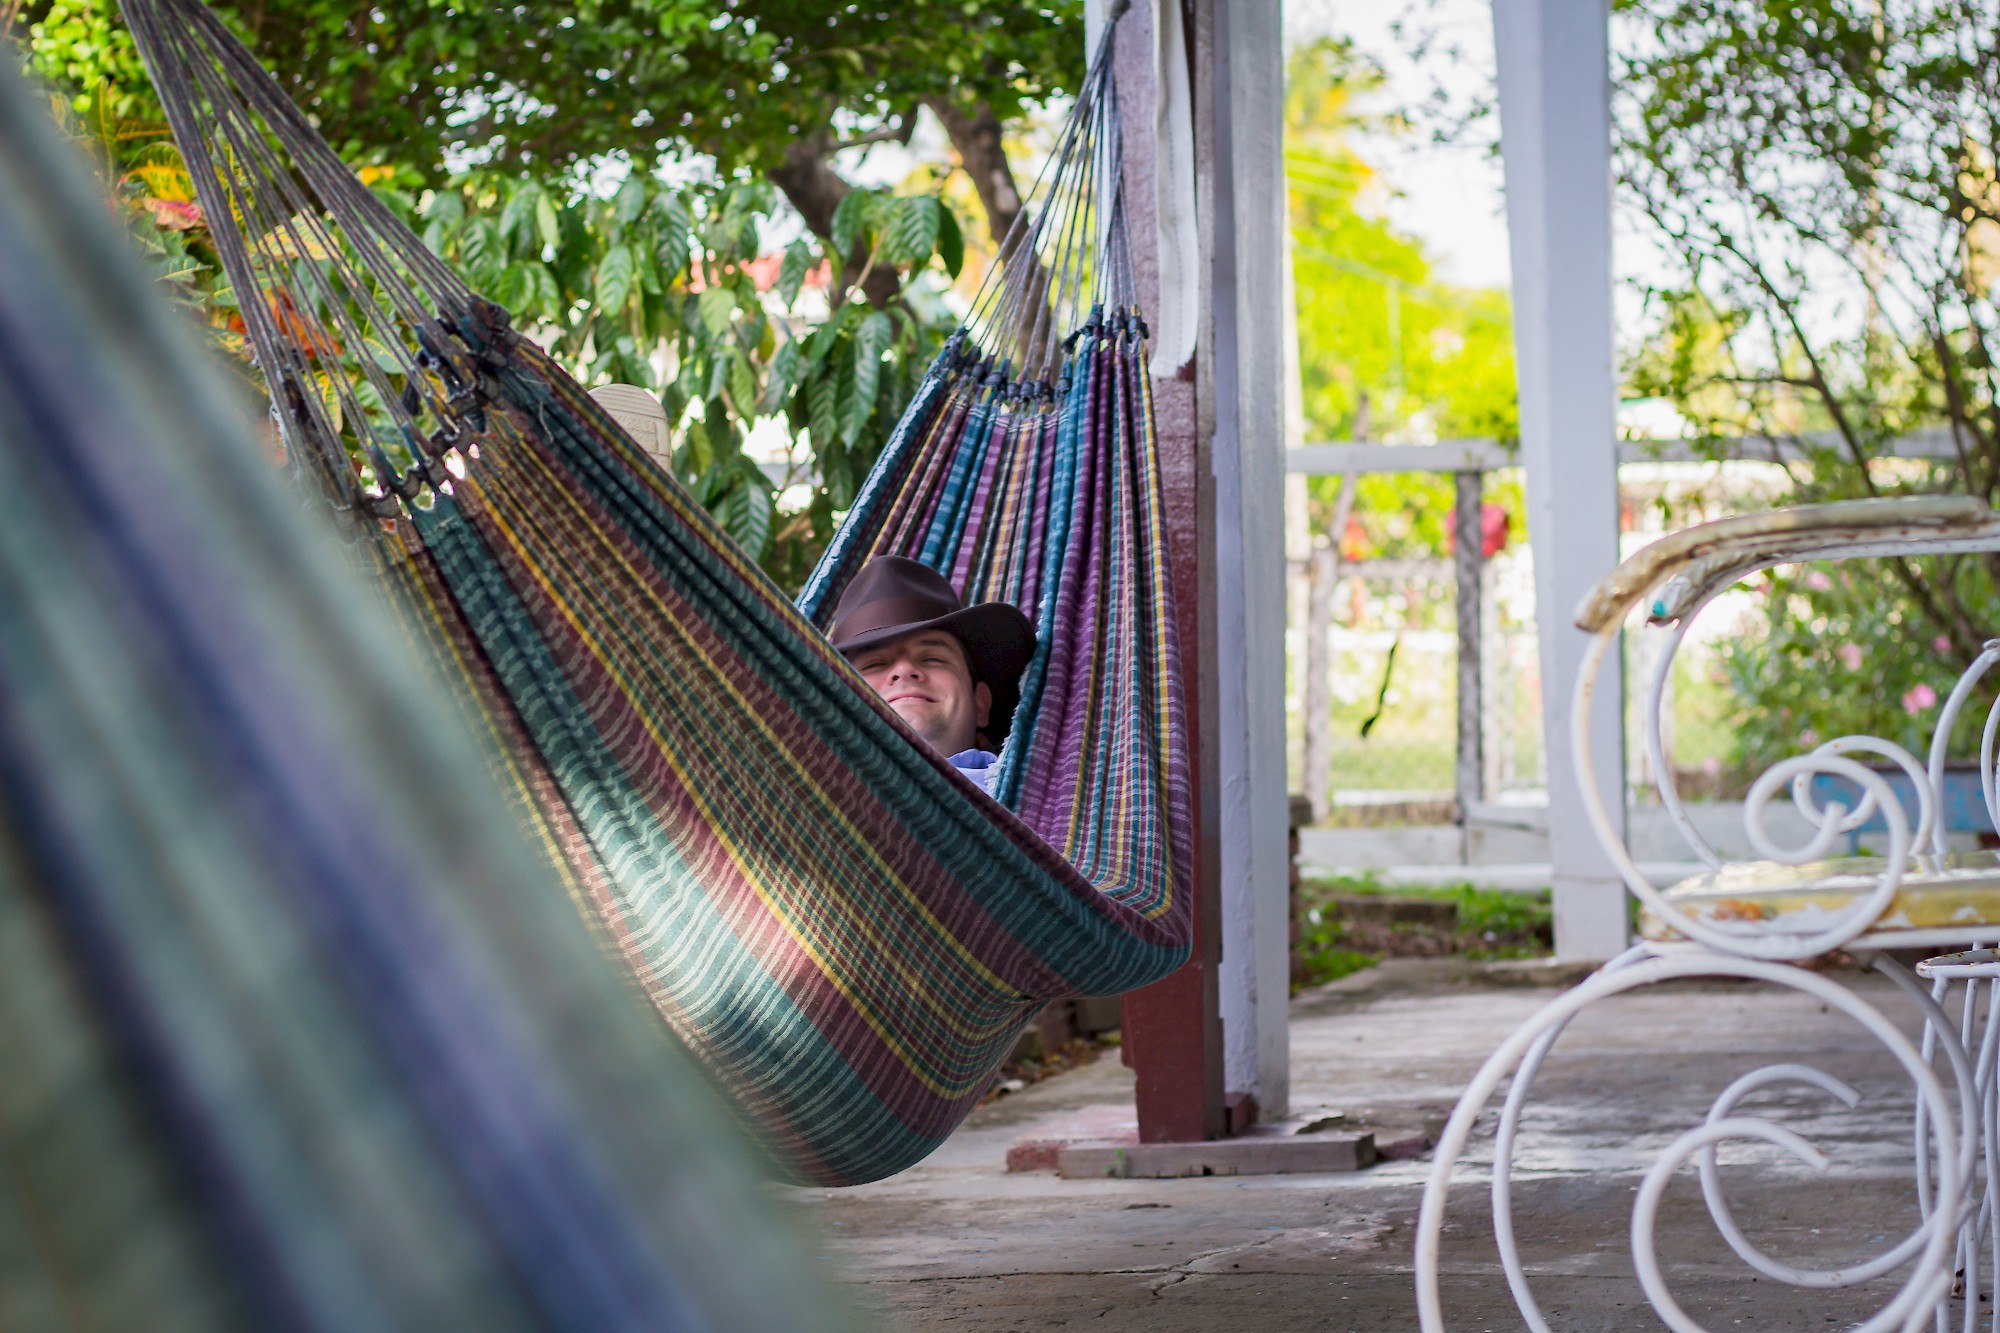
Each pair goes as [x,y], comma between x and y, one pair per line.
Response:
[1379,741]
[1391,658]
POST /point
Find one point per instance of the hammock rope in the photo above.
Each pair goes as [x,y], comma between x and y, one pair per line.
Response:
[846,934]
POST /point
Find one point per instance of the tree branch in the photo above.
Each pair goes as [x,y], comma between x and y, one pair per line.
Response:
[1954,620]
[900,132]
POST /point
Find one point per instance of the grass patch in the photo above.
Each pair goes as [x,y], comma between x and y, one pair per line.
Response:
[1339,933]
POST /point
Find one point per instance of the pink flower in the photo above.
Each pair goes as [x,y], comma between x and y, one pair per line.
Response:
[1918,699]
[1849,655]
[1818,581]
[1941,644]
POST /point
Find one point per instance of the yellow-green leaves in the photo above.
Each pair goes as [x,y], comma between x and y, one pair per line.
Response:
[545,220]
[617,278]
[718,309]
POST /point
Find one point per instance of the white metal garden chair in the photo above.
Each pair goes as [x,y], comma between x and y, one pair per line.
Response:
[1761,919]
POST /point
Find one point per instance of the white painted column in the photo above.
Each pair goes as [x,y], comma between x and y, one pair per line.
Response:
[1249,459]
[1555,141]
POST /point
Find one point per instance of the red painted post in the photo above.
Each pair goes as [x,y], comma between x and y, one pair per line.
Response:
[1173,1029]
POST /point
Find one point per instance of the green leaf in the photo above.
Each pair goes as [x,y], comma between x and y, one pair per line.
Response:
[698,449]
[850,219]
[718,307]
[827,336]
[630,202]
[780,376]
[480,251]
[823,412]
[950,242]
[546,221]
[617,278]
[708,489]
[517,217]
[912,234]
[870,341]
[514,289]
[676,228]
[546,297]
[385,359]
[742,385]
[446,206]
[746,510]
[628,364]
[837,480]
[577,250]
[792,273]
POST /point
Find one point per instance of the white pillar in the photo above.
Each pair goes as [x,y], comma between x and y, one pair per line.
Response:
[1555,141]
[1248,285]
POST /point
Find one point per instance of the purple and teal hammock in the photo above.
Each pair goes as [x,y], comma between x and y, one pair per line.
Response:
[846,934]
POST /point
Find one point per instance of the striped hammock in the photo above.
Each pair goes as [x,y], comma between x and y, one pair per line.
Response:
[847,935]
[293,1034]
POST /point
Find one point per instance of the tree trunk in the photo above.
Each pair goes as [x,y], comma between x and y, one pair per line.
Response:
[815,189]
[976,135]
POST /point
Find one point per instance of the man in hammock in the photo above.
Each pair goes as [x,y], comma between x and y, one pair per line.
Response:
[951,671]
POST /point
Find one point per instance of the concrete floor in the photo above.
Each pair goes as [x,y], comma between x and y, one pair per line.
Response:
[958,1243]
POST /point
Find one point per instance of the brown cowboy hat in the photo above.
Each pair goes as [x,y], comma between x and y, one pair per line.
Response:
[891,597]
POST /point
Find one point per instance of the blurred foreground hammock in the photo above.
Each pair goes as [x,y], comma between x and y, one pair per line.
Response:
[844,931]
[293,1033]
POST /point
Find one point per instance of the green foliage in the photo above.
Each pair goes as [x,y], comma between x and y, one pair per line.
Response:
[1384,349]
[1820,177]
[83,45]
[1492,913]
[153,196]
[1322,958]
[650,285]
[1490,924]
[668,289]
[545,88]
[1828,659]
[1480,911]
[1433,361]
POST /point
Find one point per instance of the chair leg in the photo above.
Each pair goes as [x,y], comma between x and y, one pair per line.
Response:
[1925,1259]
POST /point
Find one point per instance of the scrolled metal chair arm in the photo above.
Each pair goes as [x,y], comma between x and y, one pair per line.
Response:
[1710,555]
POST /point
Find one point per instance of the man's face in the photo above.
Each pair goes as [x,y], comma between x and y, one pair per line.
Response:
[925,678]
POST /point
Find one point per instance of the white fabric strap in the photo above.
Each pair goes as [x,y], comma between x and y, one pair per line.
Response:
[1176,322]
[1173,184]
